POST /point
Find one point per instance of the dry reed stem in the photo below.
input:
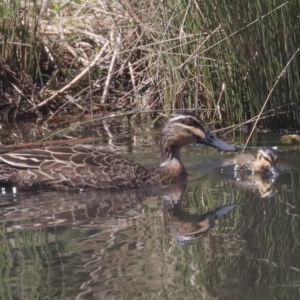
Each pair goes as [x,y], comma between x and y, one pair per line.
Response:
[77,78]
[111,67]
[50,143]
[268,98]
[235,127]
[70,99]
[217,109]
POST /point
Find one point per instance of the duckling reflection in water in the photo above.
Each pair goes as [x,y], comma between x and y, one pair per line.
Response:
[263,183]
[264,161]
[80,167]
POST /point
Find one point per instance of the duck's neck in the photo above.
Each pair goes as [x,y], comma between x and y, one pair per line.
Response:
[169,151]
[171,167]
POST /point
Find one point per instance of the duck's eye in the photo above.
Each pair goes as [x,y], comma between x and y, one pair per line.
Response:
[188,122]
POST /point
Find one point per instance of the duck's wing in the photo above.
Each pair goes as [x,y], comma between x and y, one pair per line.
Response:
[27,159]
[74,167]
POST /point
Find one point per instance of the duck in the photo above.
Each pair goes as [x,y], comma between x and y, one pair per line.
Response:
[80,167]
[263,162]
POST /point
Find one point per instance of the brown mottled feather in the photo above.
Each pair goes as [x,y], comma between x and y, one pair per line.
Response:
[72,169]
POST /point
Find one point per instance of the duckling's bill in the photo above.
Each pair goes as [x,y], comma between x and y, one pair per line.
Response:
[212,141]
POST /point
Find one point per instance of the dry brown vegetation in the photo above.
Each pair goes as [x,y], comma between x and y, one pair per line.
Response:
[143,56]
[89,55]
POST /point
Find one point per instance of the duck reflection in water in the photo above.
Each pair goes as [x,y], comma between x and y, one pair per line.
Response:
[186,227]
[52,208]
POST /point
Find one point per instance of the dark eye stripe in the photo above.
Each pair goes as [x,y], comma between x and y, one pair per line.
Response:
[269,159]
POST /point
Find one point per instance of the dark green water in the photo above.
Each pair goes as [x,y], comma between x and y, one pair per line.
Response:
[143,244]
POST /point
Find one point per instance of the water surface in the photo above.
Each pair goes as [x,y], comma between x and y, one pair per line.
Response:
[157,243]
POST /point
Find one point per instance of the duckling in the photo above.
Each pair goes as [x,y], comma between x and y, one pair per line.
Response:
[264,161]
[79,167]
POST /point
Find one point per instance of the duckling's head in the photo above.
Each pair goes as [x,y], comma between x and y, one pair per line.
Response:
[184,128]
[265,161]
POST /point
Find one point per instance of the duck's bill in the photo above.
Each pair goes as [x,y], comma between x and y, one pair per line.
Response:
[224,210]
[212,141]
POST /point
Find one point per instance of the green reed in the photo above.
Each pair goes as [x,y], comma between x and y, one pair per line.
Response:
[19,42]
[207,44]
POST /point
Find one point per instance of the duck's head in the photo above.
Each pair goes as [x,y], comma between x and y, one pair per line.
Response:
[184,128]
[265,161]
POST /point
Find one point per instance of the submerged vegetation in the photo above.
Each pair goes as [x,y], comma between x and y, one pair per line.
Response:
[147,56]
